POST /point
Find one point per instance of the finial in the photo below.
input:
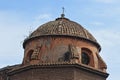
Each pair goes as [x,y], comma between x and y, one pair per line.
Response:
[63,15]
[63,9]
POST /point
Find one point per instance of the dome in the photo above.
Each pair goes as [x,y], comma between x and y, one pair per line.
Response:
[62,27]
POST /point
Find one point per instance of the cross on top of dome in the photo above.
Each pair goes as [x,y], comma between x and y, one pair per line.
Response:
[63,15]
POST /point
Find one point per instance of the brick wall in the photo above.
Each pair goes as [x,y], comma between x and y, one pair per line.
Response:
[45,74]
[86,75]
[61,72]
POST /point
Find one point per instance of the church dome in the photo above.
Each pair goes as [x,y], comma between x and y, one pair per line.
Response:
[62,27]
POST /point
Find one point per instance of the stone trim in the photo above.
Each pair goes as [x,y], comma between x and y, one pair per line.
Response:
[58,65]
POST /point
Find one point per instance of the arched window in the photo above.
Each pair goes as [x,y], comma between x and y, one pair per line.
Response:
[30,55]
[85,58]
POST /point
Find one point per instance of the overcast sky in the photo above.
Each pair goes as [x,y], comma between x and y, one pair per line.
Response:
[100,17]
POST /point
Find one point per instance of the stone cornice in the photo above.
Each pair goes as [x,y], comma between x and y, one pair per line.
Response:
[58,65]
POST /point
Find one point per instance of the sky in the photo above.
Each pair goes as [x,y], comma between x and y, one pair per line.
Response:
[18,18]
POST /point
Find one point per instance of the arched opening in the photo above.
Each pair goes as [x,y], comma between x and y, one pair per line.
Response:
[29,55]
[87,57]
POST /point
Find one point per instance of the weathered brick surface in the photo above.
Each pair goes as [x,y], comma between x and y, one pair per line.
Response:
[45,74]
[85,75]
[54,48]
[57,73]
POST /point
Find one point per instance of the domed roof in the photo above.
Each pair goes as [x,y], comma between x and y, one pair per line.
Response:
[62,27]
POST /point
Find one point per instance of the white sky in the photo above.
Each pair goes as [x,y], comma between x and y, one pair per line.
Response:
[100,17]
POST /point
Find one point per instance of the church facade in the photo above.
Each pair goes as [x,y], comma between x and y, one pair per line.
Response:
[59,50]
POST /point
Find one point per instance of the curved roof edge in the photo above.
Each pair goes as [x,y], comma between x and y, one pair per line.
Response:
[81,38]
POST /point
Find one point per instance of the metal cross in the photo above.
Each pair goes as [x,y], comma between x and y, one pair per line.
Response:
[63,9]
[62,15]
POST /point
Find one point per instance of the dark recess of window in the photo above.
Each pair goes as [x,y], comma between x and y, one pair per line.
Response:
[85,58]
[67,56]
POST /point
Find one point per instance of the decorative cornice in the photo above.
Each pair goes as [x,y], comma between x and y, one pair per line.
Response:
[58,65]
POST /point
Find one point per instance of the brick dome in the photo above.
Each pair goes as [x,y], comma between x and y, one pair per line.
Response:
[62,27]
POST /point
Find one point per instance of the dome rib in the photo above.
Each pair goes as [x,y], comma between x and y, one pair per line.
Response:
[62,27]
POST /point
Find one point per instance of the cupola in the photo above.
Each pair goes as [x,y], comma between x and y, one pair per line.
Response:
[63,41]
